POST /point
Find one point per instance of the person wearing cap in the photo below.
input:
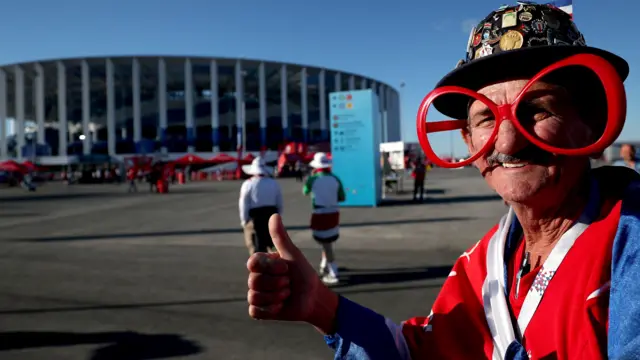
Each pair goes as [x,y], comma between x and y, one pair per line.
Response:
[557,277]
[260,197]
[326,192]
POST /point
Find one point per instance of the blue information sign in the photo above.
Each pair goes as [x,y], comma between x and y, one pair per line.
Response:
[355,145]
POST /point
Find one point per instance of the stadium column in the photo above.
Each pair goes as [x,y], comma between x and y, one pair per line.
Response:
[215,114]
[303,105]
[284,101]
[352,83]
[262,97]
[188,106]
[39,103]
[363,83]
[137,125]
[19,104]
[4,146]
[162,104]
[322,102]
[383,115]
[337,82]
[86,107]
[111,109]
[63,128]
[239,104]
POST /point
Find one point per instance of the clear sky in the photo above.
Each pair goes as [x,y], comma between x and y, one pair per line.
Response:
[411,41]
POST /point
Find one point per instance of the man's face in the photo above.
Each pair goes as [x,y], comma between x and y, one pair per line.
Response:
[627,152]
[514,167]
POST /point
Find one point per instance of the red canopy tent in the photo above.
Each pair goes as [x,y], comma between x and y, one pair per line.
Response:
[190,159]
[222,158]
[30,166]
[12,166]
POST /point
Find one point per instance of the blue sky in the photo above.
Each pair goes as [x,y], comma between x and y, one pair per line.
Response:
[414,41]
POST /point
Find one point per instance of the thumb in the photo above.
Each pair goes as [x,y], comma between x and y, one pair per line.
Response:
[281,239]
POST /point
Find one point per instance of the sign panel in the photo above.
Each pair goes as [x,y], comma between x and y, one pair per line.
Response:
[355,145]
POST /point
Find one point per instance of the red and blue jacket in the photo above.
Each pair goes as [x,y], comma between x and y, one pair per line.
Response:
[595,292]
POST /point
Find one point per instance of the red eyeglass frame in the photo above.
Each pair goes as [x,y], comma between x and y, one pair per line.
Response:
[616,112]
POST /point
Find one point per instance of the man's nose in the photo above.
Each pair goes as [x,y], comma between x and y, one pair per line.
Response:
[509,140]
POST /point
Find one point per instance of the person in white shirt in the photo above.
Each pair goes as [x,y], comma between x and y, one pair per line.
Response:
[327,192]
[260,197]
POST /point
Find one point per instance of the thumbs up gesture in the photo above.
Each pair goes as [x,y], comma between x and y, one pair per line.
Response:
[284,285]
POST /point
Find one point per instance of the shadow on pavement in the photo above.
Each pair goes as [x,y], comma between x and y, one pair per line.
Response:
[142,191]
[349,277]
[227,231]
[444,200]
[118,345]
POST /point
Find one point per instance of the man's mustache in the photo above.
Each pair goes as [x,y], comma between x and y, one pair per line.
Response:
[531,154]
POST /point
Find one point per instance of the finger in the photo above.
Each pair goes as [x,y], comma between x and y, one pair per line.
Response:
[259,298]
[281,239]
[265,312]
[267,263]
[267,282]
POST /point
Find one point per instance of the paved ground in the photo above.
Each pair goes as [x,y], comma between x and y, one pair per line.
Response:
[91,272]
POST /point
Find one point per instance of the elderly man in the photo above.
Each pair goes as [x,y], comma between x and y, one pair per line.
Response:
[557,278]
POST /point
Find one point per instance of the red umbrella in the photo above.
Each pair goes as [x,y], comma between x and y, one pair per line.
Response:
[31,166]
[249,157]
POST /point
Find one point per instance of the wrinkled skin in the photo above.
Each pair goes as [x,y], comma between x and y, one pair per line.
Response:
[552,117]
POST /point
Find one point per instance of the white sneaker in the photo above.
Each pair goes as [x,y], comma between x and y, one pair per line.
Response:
[330,279]
[323,269]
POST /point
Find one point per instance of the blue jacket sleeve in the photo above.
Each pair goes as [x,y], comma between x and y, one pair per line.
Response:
[624,297]
[363,334]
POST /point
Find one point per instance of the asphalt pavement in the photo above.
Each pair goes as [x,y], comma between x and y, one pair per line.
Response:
[93,272]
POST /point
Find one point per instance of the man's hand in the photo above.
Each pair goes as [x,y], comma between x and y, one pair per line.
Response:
[284,286]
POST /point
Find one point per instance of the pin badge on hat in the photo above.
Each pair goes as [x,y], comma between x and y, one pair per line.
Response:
[511,40]
[483,51]
[525,16]
[509,19]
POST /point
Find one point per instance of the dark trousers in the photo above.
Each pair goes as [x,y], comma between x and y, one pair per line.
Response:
[260,220]
[418,188]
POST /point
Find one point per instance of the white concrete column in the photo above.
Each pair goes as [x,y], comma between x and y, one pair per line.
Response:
[40,103]
[3,116]
[111,108]
[162,103]
[19,110]
[322,101]
[284,101]
[215,112]
[188,105]
[363,83]
[337,82]
[262,98]
[135,88]
[303,104]
[63,128]
[240,118]
[352,83]
[86,107]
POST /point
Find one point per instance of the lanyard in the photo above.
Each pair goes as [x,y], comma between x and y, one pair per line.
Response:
[494,295]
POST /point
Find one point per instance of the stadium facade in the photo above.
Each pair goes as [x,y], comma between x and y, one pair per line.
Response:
[172,105]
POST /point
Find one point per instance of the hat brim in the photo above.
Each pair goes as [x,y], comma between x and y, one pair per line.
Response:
[319,165]
[260,170]
[520,63]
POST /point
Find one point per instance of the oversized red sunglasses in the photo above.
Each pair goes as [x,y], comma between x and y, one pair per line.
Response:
[616,112]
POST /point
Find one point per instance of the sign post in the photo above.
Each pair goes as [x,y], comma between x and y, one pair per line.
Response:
[355,145]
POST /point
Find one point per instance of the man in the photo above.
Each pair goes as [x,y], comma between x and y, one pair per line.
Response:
[327,192]
[260,197]
[628,155]
[419,174]
[557,278]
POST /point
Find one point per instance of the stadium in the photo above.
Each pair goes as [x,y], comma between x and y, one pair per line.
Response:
[53,110]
